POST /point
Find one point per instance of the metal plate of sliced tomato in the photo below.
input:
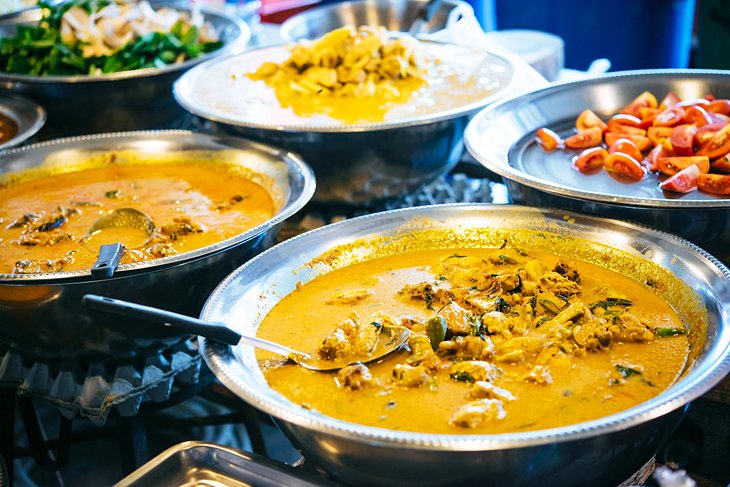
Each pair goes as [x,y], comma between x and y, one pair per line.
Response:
[658,138]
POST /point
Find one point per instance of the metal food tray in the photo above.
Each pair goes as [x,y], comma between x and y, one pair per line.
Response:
[195,463]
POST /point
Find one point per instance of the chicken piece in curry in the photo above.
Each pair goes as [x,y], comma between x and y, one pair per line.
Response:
[44,222]
[501,340]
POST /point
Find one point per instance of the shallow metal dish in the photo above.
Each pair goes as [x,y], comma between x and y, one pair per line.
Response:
[127,100]
[194,463]
[29,116]
[43,314]
[602,452]
[354,163]
[501,138]
[395,15]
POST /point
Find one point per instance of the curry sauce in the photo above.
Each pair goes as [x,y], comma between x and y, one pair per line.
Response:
[45,222]
[502,340]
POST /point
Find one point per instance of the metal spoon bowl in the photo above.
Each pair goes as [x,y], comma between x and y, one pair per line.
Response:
[391,339]
[123,218]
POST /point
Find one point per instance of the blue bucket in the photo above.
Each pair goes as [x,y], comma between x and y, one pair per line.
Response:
[632,34]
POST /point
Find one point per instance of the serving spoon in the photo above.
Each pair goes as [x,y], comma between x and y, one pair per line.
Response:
[391,337]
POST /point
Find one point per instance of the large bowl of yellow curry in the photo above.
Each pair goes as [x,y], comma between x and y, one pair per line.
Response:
[544,348]
[160,217]
[376,113]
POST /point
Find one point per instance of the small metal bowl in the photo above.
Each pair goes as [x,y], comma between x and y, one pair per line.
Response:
[127,100]
[29,117]
[355,164]
[501,137]
[604,451]
[395,15]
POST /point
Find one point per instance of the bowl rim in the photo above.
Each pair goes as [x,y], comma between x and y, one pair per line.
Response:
[506,170]
[290,207]
[237,45]
[25,131]
[220,358]
[296,20]
[182,92]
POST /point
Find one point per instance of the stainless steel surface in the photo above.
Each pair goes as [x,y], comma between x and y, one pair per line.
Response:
[395,15]
[43,314]
[29,116]
[195,463]
[501,138]
[605,451]
[128,100]
[356,164]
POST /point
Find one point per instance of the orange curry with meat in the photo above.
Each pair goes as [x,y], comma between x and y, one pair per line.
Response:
[502,340]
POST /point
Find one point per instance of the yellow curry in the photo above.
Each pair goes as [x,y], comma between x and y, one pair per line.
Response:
[501,340]
[45,222]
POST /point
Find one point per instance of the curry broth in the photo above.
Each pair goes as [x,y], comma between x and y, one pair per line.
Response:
[193,205]
[580,387]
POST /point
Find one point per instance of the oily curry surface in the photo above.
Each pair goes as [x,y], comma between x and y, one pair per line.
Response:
[45,222]
[501,341]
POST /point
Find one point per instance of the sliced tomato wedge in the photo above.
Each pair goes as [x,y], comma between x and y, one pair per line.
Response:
[717,146]
[672,165]
[682,182]
[627,146]
[670,117]
[719,106]
[721,165]
[624,165]
[586,138]
[652,159]
[669,100]
[587,119]
[548,139]
[644,100]
[641,142]
[647,116]
[657,134]
[683,139]
[697,116]
[707,132]
[626,124]
[590,160]
[714,183]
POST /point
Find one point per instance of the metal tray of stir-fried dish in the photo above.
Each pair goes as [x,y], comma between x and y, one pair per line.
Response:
[195,463]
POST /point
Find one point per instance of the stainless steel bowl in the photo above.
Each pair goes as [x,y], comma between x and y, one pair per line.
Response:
[29,116]
[43,314]
[602,452]
[502,139]
[355,163]
[395,15]
[128,100]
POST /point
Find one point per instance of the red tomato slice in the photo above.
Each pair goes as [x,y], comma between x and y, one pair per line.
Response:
[670,117]
[644,100]
[641,142]
[626,124]
[626,146]
[682,182]
[669,100]
[590,159]
[714,183]
[682,139]
[588,119]
[717,146]
[585,138]
[548,139]
[721,165]
[696,115]
[672,165]
[624,165]
[652,160]
[647,116]
[657,134]
[707,132]
[719,106]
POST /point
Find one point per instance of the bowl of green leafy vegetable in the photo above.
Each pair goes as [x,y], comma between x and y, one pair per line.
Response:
[109,65]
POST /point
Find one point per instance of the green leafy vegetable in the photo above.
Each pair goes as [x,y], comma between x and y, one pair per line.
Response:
[669,332]
[39,51]
[462,377]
